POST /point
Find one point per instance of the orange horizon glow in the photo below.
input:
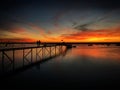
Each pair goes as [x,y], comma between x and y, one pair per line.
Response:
[104,35]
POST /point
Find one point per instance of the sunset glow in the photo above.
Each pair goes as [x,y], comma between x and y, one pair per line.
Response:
[56,23]
[111,35]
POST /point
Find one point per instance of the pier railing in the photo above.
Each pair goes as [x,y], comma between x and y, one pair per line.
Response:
[30,56]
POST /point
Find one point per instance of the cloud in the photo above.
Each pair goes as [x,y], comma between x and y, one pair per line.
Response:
[82,27]
[36,28]
[16,40]
[107,15]
[112,34]
[18,30]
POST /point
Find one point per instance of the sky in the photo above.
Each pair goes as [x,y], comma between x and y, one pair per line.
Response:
[56,20]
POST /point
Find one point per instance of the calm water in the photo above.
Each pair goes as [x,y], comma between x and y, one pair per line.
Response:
[81,67]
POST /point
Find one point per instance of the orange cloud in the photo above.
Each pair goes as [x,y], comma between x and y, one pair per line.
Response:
[36,28]
[18,30]
[112,34]
[66,34]
[17,40]
[45,35]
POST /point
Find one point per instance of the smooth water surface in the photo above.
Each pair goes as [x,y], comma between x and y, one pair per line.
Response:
[83,67]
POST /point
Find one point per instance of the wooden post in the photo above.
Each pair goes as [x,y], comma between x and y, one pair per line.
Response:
[23,57]
[31,55]
[13,60]
[3,61]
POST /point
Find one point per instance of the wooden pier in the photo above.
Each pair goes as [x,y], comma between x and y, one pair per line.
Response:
[42,54]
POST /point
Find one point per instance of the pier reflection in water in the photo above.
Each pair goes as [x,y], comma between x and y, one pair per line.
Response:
[83,67]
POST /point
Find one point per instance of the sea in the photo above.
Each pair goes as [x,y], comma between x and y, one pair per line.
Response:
[80,67]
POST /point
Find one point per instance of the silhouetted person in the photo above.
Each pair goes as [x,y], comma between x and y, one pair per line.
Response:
[38,43]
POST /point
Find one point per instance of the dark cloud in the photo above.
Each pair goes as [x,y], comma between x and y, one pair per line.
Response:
[84,27]
[9,9]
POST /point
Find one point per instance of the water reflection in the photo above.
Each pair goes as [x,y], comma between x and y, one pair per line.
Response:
[99,53]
